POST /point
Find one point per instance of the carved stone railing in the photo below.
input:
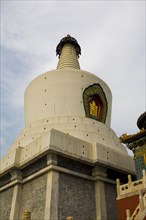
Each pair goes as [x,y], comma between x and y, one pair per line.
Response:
[131,186]
[143,213]
[135,215]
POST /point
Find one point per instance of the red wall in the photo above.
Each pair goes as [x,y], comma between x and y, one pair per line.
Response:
[127,203]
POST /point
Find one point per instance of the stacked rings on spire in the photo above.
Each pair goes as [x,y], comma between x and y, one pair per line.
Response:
[68,57]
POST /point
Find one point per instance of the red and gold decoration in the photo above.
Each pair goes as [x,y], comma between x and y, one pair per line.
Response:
[137,143]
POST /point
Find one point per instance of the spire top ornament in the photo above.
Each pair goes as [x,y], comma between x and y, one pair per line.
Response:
[71,40]
[68,51]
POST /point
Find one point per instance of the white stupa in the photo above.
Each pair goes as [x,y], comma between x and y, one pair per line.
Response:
[55,99]
[67,111]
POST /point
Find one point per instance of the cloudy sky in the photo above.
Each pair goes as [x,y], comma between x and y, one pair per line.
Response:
[112,38]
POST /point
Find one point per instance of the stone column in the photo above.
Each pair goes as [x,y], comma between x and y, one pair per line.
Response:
[99,173]
[52,187]
[15,205]
[118,187]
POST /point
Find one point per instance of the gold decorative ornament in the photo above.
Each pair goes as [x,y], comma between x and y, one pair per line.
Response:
[93,109]
[26,215]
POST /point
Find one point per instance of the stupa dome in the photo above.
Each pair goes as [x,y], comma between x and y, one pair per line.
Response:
[64,91]
[70,100]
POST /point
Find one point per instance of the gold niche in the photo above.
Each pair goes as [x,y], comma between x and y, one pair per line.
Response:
[95,103]
[93,108]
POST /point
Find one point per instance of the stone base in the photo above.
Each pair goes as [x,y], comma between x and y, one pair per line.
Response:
[61,181]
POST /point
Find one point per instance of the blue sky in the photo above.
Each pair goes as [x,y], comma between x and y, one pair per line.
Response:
[112,38]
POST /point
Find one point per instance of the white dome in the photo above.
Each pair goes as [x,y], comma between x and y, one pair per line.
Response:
[65,105]
[60,93]
[60,99]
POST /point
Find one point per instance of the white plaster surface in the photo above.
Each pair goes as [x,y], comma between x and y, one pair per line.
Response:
[59,93]
[83,128]
[67,145]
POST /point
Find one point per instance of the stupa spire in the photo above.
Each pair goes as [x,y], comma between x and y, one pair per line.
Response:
[68,51]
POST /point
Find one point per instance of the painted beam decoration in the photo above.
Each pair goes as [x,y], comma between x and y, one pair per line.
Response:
[137,143]
[95,103]
[140,160]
